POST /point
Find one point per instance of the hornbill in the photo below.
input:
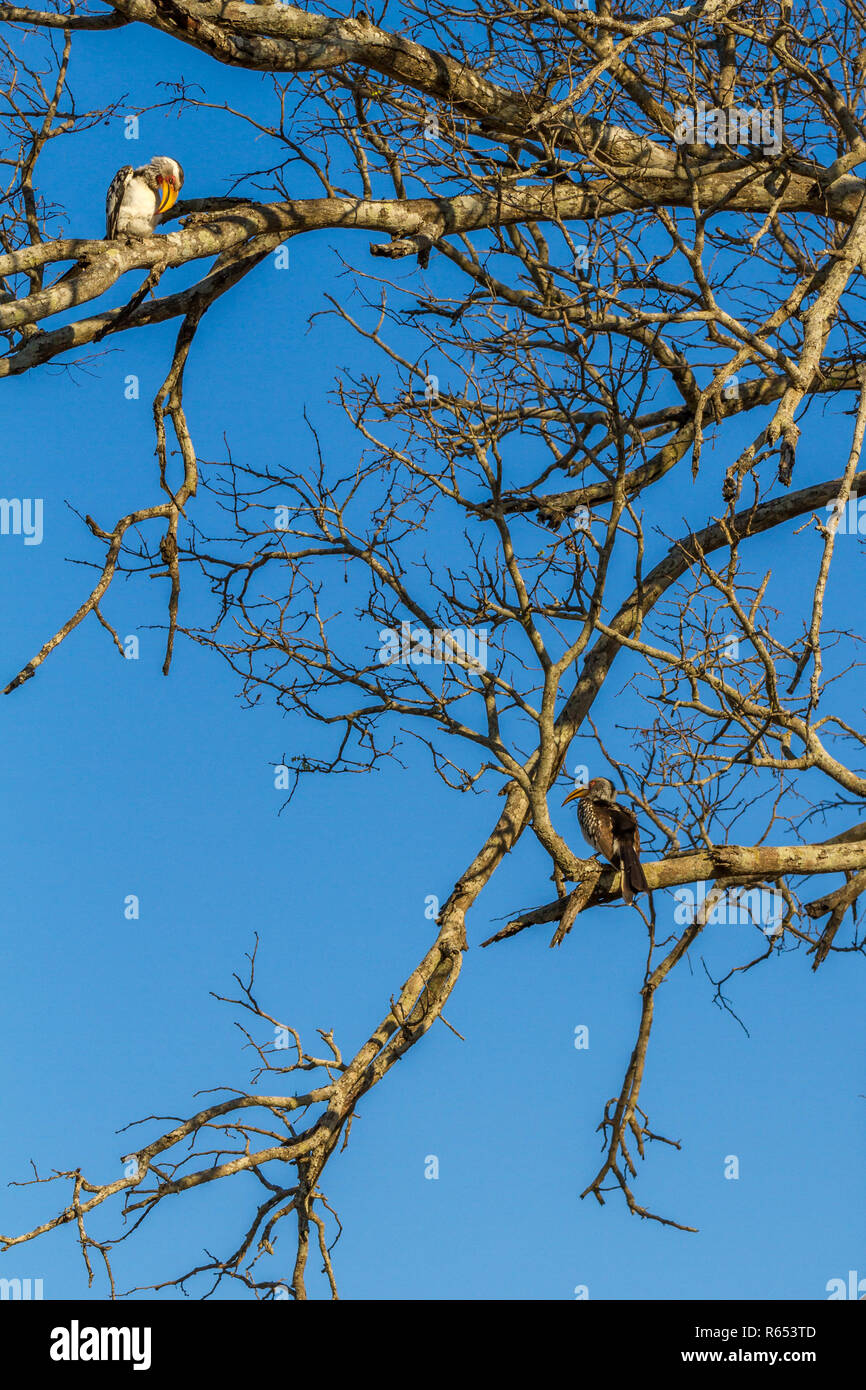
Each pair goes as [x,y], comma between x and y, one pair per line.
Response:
[134,203]
[137,198]
[611,830]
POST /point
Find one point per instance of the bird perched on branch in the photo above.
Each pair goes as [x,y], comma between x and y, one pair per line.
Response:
[137,198]
[612,831]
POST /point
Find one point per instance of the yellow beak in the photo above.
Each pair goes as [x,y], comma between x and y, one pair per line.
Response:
[167,195]
[581,791]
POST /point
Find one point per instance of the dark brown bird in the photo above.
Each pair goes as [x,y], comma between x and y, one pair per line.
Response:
[612,831]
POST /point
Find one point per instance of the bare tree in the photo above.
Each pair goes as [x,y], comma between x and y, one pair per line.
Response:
[637,232]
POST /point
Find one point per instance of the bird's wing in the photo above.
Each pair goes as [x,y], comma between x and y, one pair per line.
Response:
[114,199]
[605,833]
[623,821]
[626,832]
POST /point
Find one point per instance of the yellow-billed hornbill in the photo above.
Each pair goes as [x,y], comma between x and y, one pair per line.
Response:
[611,830]
[137,198]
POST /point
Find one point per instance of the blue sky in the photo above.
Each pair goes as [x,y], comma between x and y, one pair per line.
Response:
[119,781]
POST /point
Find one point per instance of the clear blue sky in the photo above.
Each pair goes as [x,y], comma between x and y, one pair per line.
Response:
[118,781]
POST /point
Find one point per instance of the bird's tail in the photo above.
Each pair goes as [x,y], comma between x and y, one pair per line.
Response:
[633,877]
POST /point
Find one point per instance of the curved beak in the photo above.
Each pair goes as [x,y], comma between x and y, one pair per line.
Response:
[581,791]
[167,195]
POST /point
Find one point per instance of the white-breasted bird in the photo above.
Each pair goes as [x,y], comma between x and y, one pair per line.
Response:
[137,198]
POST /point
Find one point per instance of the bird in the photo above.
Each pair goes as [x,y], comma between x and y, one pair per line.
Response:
[611,830]
[137,198]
